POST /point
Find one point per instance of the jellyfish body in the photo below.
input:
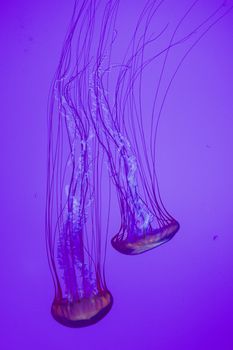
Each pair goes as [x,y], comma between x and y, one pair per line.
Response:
[83,312]
[145,222]
[143,241]
[76,226]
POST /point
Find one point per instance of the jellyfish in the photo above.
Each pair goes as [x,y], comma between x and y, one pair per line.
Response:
[146,223]
[129,141]
[76,224]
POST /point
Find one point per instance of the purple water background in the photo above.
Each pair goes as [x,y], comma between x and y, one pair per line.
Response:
[179,296]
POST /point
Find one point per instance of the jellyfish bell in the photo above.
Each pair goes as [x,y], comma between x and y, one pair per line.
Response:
[147,240]
[83,312]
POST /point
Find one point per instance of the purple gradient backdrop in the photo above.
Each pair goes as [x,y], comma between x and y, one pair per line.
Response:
[179,296]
